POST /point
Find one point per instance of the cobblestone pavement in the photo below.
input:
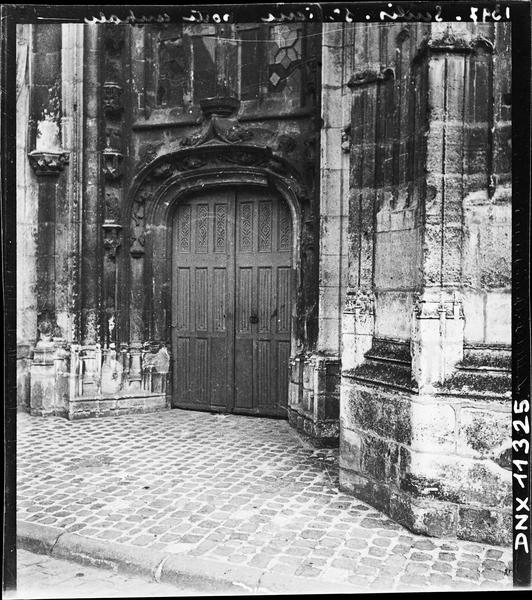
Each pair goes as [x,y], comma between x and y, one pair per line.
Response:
[234,489]
[44,577]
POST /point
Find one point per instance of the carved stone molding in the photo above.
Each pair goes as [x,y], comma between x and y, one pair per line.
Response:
[370,76]
[111,240]
[197,167]
[112,98]
[449,43]
[346,139]
[48,163]
[137,225]
[112,164]
[223,106]
[215,155]
[434,309]
[360,301]
[219,130]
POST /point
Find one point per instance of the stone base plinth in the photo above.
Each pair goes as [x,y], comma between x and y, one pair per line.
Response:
[314,398]
[435,463]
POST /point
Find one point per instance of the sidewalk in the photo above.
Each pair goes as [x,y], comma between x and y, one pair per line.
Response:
[226,502]
[45,577]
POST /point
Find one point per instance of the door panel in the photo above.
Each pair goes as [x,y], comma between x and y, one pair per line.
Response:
[202,328]
[262,262]
[231,293]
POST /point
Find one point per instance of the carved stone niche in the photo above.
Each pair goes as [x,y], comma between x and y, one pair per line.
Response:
[112,164]
[48,163]
[111,238]
[112,98]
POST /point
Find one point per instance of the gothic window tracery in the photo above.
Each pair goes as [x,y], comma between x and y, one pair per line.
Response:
[192,62]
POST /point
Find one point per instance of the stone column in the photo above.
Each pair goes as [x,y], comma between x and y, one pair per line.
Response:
[365,120]
[315,378]
[91,217]
[91,235]
[438,320]
[27,224]
[48,159]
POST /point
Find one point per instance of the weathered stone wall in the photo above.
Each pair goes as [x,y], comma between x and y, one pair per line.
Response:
[486,250]
[425,428]
[388,126]
[107,99]
[315,380]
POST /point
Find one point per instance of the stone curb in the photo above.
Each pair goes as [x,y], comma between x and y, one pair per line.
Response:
[177,569]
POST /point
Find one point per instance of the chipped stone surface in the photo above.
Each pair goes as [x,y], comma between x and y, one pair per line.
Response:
[238,490]
[41,576]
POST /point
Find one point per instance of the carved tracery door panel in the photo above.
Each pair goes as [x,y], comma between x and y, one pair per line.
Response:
[231,302]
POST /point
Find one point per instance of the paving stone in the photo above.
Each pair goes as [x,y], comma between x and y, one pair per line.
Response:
[307,571]
[370,561]
[468,556]
[382,542]
[493,575]
[496,565]
[365,570]
[467,564]
[235,489]
[424,545]
[416,568]
[420,556]
[359,580]
[401,549]
[442,567]
[447,556]
[469,574]
[440,579]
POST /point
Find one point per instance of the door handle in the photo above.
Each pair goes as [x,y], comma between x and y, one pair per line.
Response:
[253,319]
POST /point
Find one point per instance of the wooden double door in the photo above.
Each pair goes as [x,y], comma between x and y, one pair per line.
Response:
[232,302]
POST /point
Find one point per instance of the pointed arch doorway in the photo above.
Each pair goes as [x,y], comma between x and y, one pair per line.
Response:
[232,293]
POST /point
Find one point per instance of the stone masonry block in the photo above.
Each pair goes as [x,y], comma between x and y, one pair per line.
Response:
[425,517]
[387,413]
[367,490]
[329,304]
[485,525]
[498,318]
[331,192]
[482,431]
[380,459]
[459,480]
[294,394]
[330,234]
[350,450]
[331,99]
[433,427]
